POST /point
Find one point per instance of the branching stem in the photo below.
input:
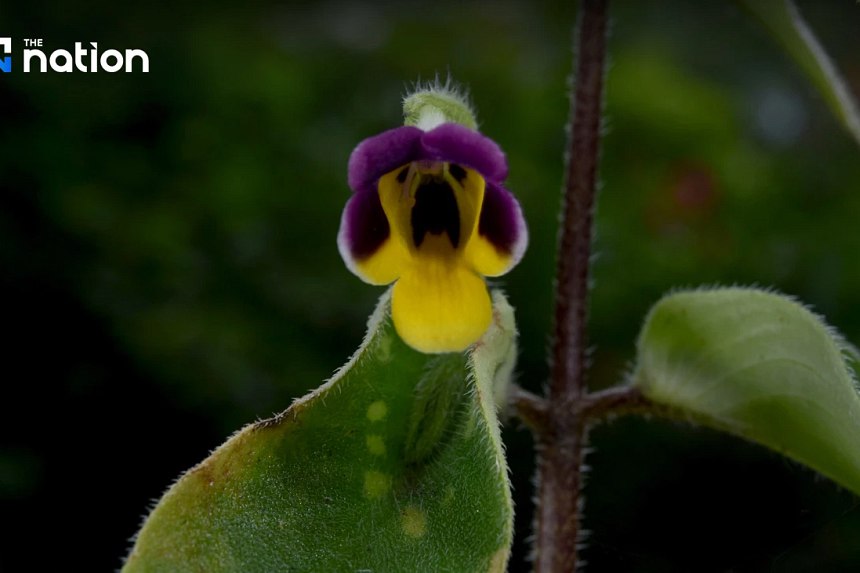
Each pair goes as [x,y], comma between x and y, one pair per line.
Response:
[561,421]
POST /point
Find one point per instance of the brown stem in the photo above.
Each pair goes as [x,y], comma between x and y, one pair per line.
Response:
[567,380]
[530,408]
[561,445]
[592,408]
[611,402]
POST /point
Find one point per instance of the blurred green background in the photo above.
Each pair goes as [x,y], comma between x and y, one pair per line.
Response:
[169,271]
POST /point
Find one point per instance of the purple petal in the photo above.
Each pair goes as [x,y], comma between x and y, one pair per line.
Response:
[363,227]
[377,155]
[502,222]
[459,144]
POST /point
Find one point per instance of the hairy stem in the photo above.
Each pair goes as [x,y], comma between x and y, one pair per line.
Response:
[567,380]
[530,408]
[593,408]
[563,432]
[618,401]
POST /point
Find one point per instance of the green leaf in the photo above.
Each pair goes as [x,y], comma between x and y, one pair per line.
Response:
[758,365]
[787,26]
[395,464]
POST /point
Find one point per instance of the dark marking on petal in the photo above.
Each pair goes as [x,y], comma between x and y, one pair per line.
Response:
[435,212]
[368,225]
[499,221]
[457,172]
[401,177]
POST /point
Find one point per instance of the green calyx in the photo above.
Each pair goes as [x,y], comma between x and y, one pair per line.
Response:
[437,103]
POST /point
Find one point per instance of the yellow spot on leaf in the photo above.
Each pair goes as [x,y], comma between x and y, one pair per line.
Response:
[413,521]
[383,353]
[376,484]
[376,445]
[377,411]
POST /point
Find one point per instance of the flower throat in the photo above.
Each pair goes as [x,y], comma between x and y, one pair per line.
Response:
[435,211]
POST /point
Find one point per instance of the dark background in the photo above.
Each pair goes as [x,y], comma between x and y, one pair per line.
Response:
[168,268]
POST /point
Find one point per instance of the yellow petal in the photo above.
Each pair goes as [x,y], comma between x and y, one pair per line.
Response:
[397,201]
[440,307]
[469,190]
[385,265]
[486,259]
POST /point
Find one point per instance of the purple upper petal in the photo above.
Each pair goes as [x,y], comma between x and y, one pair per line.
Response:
[377,155]
[380,154]
[459,144]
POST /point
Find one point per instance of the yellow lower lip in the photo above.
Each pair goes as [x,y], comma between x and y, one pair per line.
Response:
[437,307]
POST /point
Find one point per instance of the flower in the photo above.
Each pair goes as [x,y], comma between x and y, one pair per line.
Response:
[429,213]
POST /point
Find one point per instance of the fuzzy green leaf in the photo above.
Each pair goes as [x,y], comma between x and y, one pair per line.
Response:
[785,23]
[758,365]
[395,464]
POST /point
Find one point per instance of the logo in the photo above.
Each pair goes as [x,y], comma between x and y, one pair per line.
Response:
[83,58]
[6,62]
